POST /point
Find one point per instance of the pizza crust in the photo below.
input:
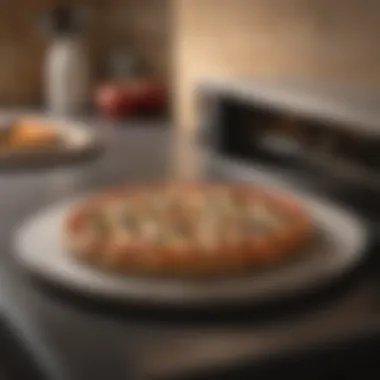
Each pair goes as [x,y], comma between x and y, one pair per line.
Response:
[207,251]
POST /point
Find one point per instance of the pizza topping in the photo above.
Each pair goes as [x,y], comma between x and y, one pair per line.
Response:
[166,218]
[149,230]
[181,230]
[120,238]
[253,227]
[207,239]
[99,223]
[84,241]
[176,242]
[129,222]
[260,215]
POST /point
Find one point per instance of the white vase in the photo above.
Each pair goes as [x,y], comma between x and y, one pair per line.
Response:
[67,79]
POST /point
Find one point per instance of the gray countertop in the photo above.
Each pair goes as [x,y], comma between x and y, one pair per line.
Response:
[78,345]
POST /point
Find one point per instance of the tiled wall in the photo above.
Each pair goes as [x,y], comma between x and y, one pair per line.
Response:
[144,25]
[140,25]
[335,40]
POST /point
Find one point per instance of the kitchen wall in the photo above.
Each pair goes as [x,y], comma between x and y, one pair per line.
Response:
[334,40]
[144,25]
[140,25]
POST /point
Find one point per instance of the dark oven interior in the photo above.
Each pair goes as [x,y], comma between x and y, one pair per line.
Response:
[292,140]
[319,148]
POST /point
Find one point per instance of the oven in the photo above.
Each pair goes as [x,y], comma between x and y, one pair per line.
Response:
[322,138]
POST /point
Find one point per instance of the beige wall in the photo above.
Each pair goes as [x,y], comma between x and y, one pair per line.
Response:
[333,39]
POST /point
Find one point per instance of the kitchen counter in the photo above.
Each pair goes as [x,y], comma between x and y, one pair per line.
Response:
[77,343]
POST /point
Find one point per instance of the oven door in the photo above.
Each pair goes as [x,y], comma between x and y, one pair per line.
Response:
[245,141]
[309,148]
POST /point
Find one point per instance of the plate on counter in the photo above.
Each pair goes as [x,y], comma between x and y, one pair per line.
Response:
[339,246]
[28,141]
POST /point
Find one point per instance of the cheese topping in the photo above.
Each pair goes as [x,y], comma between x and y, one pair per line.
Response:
[182,219]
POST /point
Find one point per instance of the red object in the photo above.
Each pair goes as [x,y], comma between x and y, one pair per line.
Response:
[123,99]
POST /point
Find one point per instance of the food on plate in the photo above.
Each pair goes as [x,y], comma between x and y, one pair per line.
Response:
[28,133]
[183,228]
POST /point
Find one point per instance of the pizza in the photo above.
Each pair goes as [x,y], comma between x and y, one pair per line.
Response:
[186,228]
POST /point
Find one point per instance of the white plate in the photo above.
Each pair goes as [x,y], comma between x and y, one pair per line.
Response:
[339,247]
[78,140]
